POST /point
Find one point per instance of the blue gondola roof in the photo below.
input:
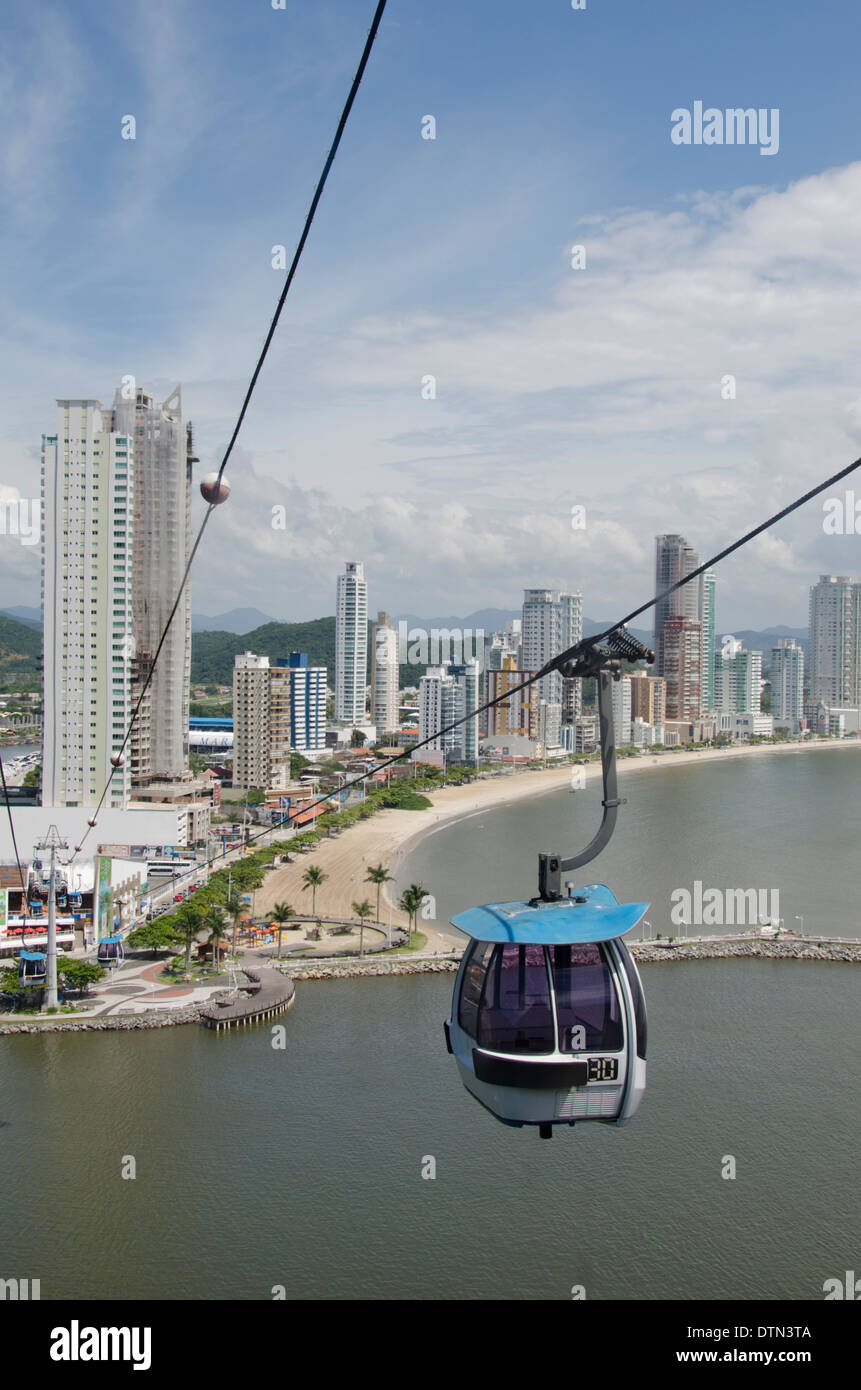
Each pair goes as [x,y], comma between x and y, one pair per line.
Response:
[31,955]
[599,918]
[103,940]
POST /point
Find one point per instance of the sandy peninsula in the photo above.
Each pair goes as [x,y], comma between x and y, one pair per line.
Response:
[389,836]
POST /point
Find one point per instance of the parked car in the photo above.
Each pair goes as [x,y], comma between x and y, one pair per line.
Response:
[178,897]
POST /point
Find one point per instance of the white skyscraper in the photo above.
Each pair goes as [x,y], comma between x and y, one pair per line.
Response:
[351,645]
[385,692]
[835,642]
[87,558]
[446,694]
[787,682]
[620,691]
[161,546]
[552,621]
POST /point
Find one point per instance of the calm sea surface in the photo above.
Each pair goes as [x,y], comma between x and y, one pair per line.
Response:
[259,1167]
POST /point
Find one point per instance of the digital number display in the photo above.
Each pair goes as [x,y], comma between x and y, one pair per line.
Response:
[603,1068]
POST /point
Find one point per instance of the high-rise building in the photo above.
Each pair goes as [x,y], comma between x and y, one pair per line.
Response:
[674,560]
[516,715]
[682,661]
[620,691]
[351,645]
[158,747]
[250,721]
[447,693]
[552,622]
[787,682]
[707,629]
[648,698]
[835,642]
[737,679]
[87,558]
[297,710]
[385,673]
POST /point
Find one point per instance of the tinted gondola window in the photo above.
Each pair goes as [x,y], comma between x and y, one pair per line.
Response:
[515,1014]
[473,981]
[588,1010]
[638,997]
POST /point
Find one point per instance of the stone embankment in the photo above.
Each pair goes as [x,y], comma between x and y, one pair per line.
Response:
[650,953]
[153,1018]
[442,965]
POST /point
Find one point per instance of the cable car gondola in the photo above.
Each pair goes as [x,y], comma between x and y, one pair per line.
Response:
[32,967]
[548,1020]
[110,951]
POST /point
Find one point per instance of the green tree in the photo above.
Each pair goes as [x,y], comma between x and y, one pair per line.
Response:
[213,920]
[410,903]
[153,936]
[378,874]
[79,974]
[313,878]
[33,778]
[280,914]
[362,910]
[188,922]
[357,739]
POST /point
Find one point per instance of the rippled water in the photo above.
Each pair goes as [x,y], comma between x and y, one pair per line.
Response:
[259,1167]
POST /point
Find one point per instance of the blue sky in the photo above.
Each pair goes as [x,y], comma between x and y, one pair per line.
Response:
[555,387]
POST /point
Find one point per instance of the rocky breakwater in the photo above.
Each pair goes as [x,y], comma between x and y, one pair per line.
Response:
[152,1018]
[442,966]
[649,953]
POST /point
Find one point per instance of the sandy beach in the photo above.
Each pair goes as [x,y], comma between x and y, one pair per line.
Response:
[388,837]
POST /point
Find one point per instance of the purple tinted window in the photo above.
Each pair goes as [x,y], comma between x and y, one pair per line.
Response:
[587,1005]
[515,1014]
[473,982]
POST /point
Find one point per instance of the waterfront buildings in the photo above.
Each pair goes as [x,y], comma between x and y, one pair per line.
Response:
[88,477]
[787,684]
[682,666]
[351,645]
[835,642]
[385,672]
[706,614]
[446,694]
[161,543]
[552,621]
[620,691]
[648,698]
[277,710]
[737,679]
[517,715]
[674,560]
[250,721]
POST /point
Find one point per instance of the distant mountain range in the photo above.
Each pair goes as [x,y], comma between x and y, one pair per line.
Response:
[238,620]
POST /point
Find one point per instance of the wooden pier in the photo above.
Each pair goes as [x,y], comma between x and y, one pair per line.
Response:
[267,994]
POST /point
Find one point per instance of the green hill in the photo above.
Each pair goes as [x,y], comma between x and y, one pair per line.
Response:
[20,653]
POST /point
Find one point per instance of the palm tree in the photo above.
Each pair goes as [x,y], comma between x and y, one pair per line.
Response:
[312,878]
[188,921]
[362,910]
[379,875]
[234,909]
[214,920]
[411,900]
[281,913]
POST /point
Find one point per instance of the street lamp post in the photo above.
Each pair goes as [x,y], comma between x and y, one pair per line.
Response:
[53,842]
[801,920]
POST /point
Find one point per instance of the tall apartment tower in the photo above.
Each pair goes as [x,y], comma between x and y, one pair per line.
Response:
[706,598]
[648,698]
[297,710]
[351,645]
[87,558]
[552,621]
[737,679]
[674,560]
[385,672]
[250,721]
[161,547]
[835,642]
[620,692]
[787,681]
[682,660]
[446,694]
